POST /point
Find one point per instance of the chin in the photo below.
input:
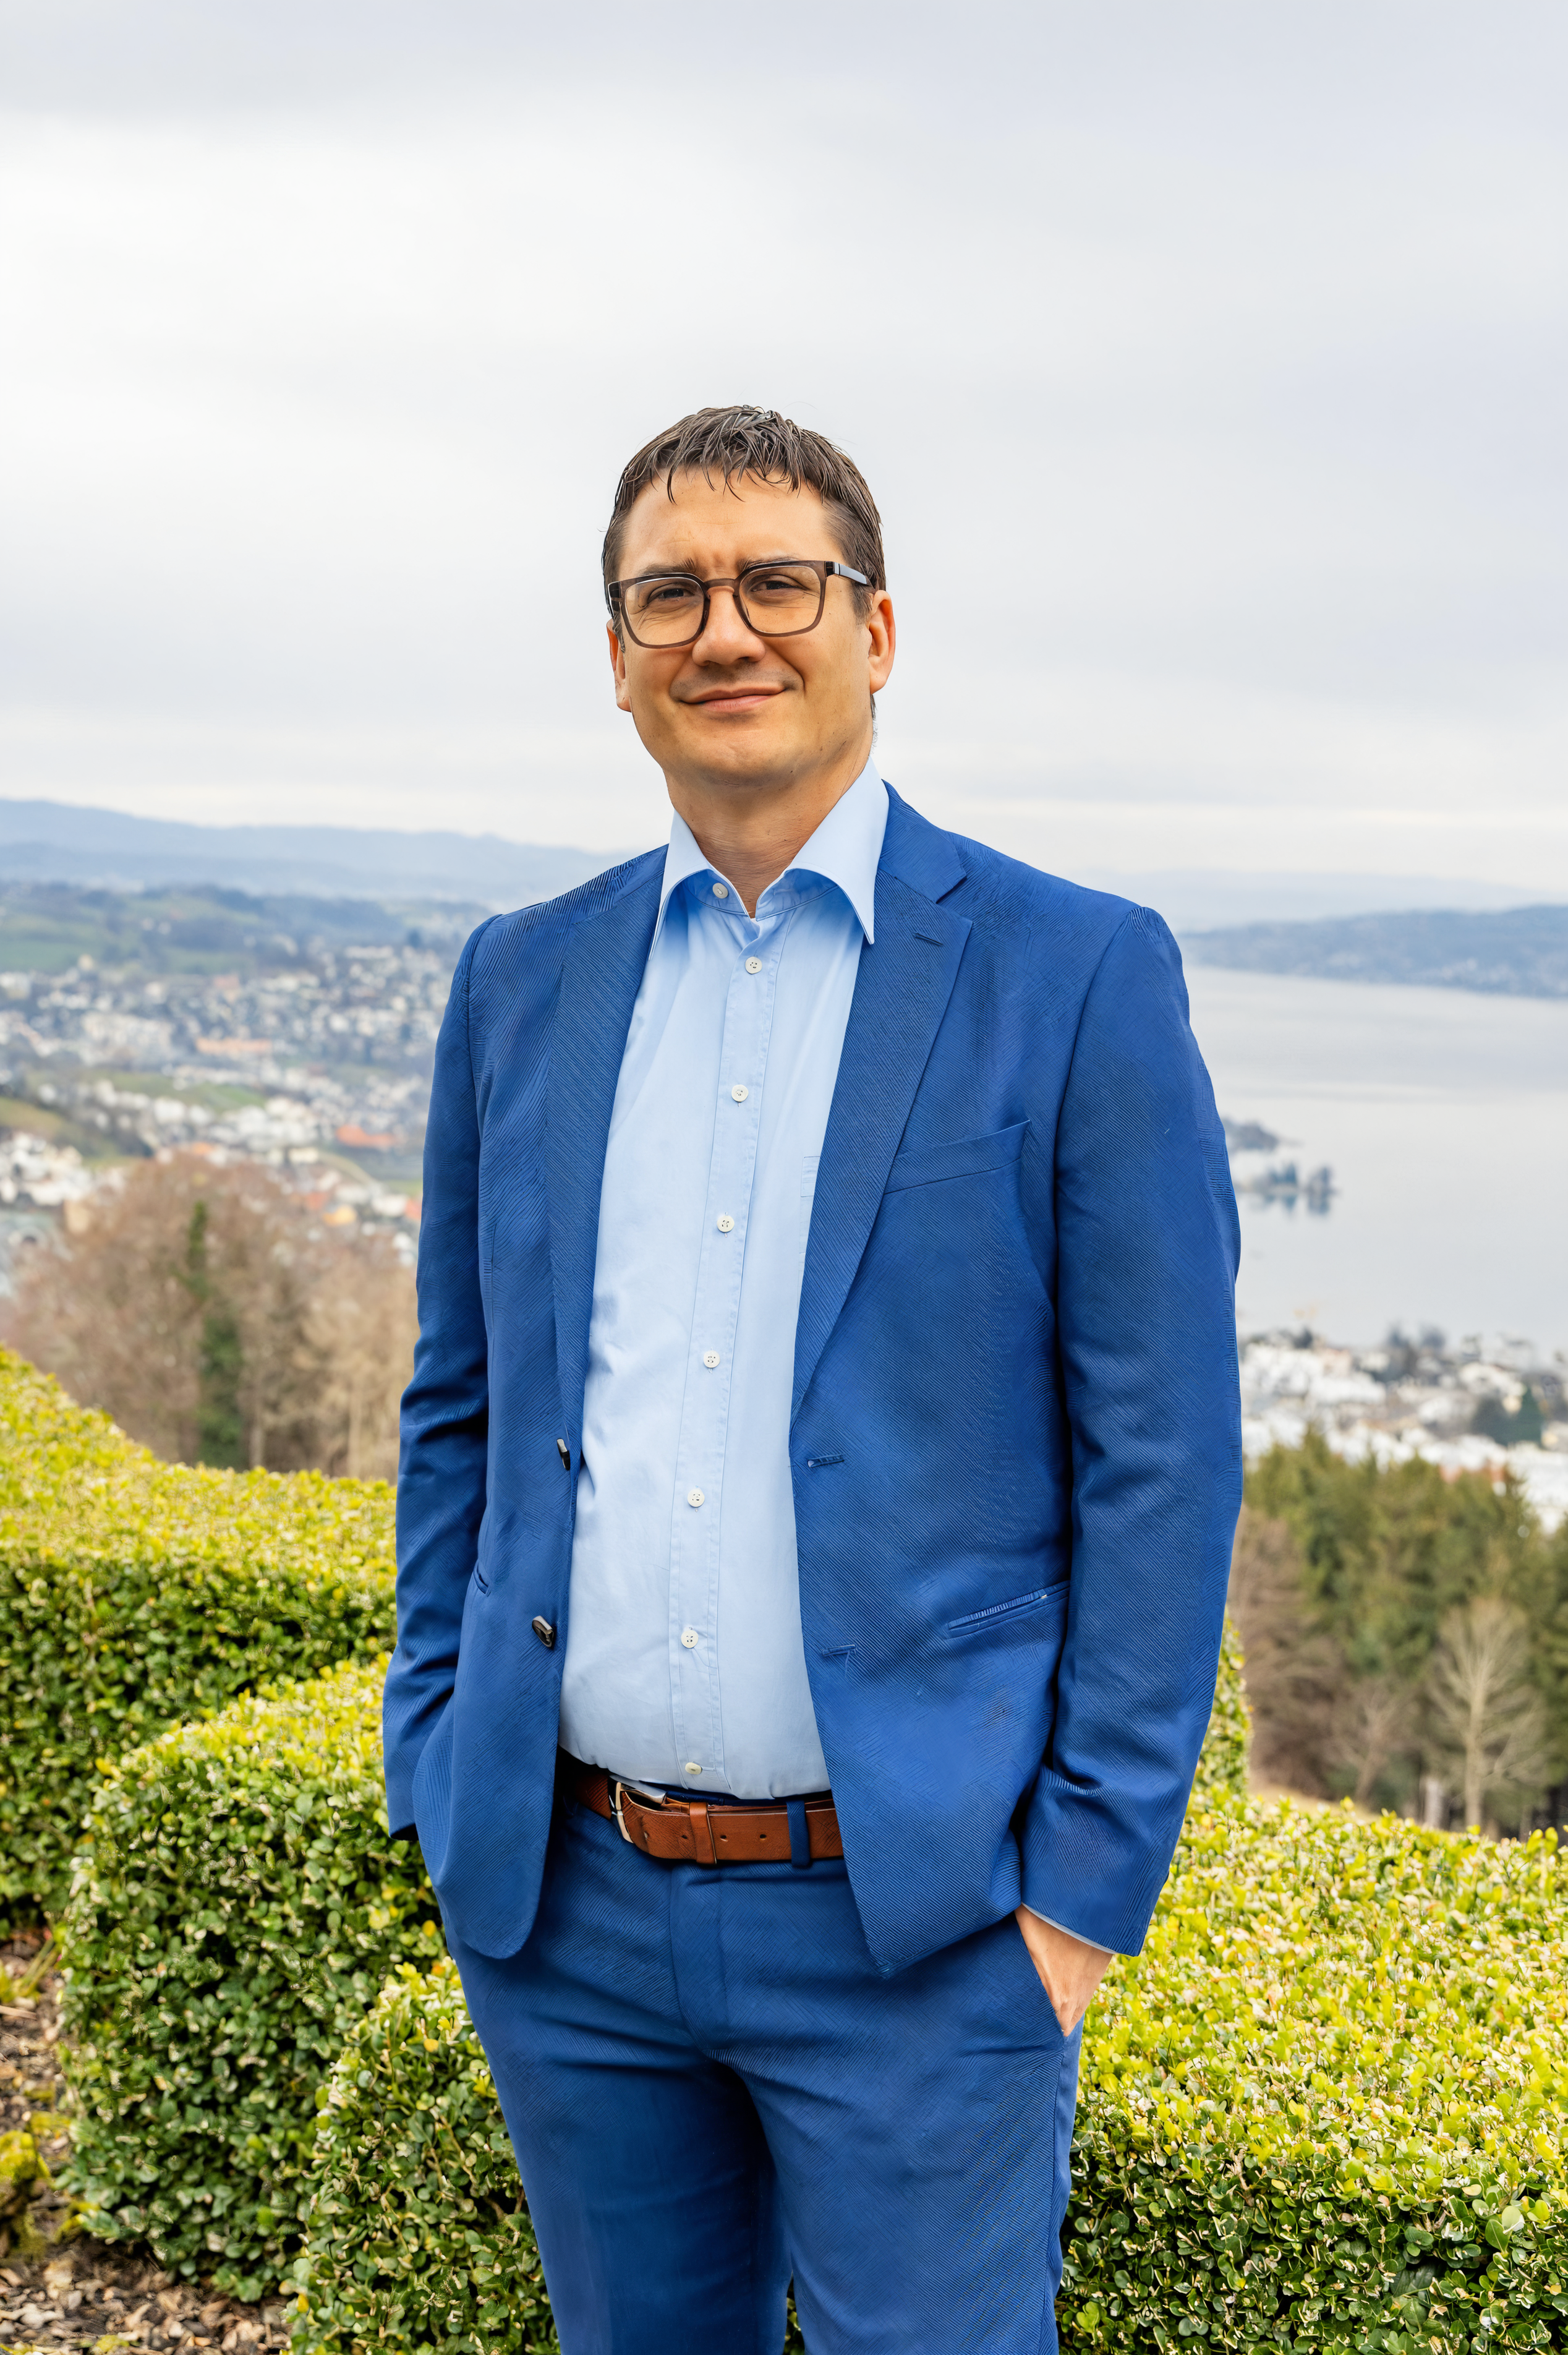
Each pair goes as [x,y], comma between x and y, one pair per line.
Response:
[745,753]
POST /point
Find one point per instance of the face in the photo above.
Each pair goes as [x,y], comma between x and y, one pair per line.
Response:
[734,713]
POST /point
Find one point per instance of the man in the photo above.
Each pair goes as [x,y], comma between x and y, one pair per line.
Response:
[818,1480]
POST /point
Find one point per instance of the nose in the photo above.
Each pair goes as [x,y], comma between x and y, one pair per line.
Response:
[726,637]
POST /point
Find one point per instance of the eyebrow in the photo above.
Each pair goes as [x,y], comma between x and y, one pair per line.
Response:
[777,556]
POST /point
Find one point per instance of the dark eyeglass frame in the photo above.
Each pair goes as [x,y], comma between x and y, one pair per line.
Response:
[822,565]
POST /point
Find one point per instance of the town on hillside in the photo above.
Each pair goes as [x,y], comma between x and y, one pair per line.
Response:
[316,1062]
[1480,1405]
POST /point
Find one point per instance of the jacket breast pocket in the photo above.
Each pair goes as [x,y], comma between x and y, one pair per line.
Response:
[964,1156]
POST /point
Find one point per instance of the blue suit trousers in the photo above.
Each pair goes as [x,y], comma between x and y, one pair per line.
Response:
[711,2086]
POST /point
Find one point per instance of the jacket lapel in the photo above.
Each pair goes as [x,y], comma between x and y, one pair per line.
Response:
[901,993]
[601,976]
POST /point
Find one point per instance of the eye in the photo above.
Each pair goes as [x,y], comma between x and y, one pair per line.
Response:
[781,581]
[666,593]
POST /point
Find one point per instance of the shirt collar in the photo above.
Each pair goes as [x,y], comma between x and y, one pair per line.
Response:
[845,850]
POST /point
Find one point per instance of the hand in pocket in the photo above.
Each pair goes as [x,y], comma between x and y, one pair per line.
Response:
[1070,1969]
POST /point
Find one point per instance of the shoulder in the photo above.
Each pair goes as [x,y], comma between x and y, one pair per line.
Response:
[537,936]
[994,893]
[1041,933]
[1068,921]
[1006,893]
[1026,913]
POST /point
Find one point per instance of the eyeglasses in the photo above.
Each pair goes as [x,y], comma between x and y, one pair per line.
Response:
[775,600]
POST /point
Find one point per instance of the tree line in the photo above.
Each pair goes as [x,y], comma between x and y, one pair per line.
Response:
[1406,1638]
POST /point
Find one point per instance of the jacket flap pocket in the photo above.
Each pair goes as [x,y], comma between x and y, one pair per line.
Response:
[993,1613]
[966,1157]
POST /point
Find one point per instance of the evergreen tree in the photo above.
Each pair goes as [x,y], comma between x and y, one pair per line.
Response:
[1367,1571]
[220,1430]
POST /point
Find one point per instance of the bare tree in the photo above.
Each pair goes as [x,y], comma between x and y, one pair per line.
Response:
[1370,1726]
[1294,1676]
[112,1310]
[1433,1803]
[214,1316]
[364,1321]
[1489,1717]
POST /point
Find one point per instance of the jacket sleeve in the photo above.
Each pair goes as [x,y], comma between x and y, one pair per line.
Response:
[445,1416]
[1148,1246]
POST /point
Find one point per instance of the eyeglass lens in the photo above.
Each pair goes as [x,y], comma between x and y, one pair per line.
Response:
[775,599]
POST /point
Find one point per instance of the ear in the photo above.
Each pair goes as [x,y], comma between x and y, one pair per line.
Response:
[882,640]
[618,665]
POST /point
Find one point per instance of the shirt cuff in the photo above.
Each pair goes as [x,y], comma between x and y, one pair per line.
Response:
[1066,1932]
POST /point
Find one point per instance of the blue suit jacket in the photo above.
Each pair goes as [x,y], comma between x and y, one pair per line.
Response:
[1015,1438]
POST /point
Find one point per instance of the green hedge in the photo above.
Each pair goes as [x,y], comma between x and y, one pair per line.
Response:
[1326,2109]
[134,1593]
[236,1906]
[1223,1760]
[418,2232]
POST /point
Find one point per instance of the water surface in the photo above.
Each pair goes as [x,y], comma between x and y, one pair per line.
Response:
[1444,1115]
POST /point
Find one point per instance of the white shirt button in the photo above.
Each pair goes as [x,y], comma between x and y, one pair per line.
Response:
[710,1359]
[689,1637]
[725,1223]
[721,891]
[740,1095]
[754,965]
[692,1766]
[693,1497]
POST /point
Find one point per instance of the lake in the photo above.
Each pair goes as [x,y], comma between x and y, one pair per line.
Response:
[1444,1117]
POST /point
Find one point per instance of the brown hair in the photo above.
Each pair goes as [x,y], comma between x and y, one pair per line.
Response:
[741,441]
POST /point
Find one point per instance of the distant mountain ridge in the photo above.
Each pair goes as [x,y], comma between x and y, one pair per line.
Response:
[1217,899]
[1520,953]
[54,842]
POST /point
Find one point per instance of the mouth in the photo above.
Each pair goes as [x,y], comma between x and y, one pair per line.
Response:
[724,700]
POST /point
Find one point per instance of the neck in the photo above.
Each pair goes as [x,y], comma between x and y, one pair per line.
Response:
[752,833]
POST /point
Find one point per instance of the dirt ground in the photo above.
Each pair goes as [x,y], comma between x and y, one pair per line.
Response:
[61,2290]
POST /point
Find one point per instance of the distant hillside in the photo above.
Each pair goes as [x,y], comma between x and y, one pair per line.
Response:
[53,842]
[46,927]
[1521,953]
[1211,899]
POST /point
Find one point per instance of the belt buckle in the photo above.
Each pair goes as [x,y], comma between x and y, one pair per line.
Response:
[616,1787]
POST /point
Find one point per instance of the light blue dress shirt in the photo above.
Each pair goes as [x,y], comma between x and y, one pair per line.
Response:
[684,1664]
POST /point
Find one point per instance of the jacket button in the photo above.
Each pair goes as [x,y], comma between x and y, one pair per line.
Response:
[546,1633]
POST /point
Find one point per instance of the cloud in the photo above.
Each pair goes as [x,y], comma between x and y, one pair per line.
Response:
[1200,360]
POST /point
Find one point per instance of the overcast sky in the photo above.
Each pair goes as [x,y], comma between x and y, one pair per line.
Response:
[1206,361]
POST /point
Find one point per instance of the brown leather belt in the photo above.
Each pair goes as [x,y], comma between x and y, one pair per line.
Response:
[688,1831]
